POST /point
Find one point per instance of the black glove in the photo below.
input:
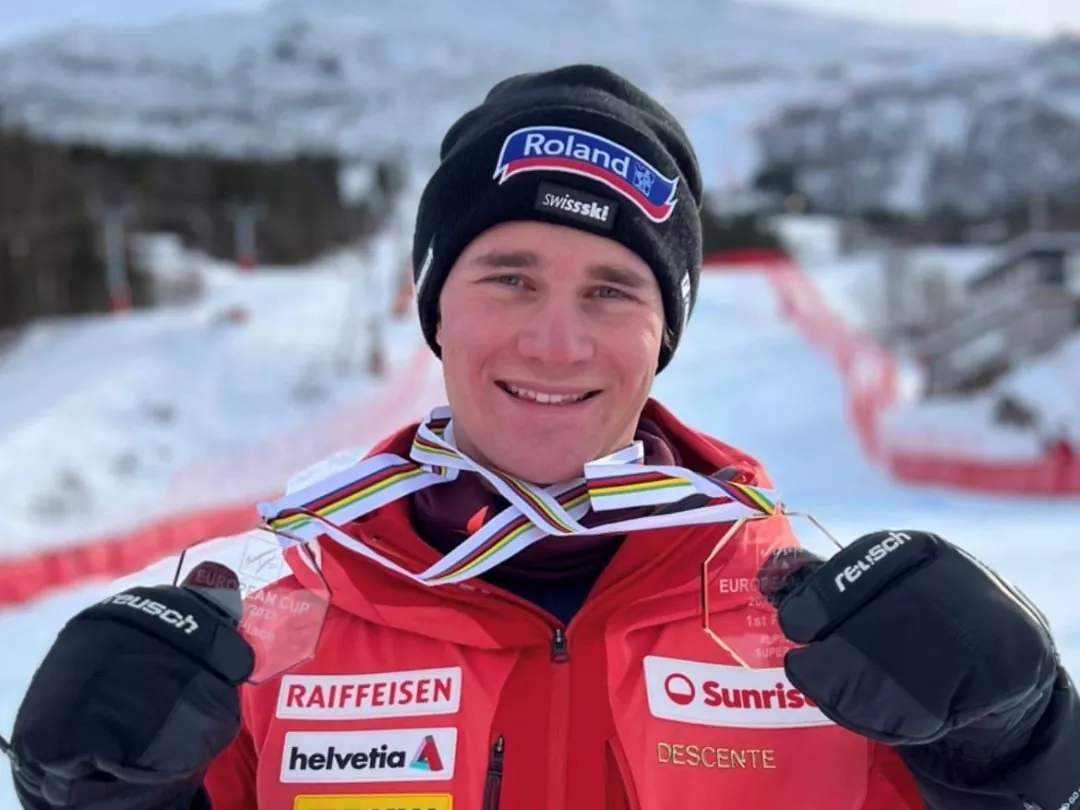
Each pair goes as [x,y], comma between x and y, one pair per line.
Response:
[137,696]
[912,642]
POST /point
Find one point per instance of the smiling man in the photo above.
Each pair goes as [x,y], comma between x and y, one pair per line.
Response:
[549,339]
[515,583]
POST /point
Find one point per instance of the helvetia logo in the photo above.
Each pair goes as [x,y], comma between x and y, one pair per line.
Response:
[427,756]
[401,755]
[728,696]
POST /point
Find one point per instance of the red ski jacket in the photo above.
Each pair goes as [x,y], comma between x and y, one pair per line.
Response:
[468,697]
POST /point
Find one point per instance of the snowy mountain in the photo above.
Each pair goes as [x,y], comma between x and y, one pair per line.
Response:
[358,76]
[974,141]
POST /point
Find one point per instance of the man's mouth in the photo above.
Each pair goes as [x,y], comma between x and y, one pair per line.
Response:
[544,397]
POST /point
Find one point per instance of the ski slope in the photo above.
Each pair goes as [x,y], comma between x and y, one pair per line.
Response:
[747,377]
[107,422]
[962,425]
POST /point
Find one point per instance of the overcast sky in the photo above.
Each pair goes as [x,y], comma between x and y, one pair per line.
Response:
[1037,17]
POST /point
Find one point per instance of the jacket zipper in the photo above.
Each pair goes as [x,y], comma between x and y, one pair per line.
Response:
[493,785]
[560,698]
[558,739]
[560,703]
[560,648]
[560,695]
[622,773]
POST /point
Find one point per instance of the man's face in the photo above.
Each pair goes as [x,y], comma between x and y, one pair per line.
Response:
[550,339]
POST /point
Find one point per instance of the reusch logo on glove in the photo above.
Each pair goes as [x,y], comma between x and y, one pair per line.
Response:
[736,697]
[876,554]
[180,621]
[575,151]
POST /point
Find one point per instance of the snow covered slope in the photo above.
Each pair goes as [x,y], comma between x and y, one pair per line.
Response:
[1047,388]
[960,426]
[101,417]
[362,77]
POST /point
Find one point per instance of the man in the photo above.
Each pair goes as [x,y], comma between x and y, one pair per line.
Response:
[516,622]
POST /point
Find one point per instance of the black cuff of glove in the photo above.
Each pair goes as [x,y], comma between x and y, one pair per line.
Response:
[202,801]
[111,795]
[1043,775]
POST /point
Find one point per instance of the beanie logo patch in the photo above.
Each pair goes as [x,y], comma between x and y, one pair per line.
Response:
[575,151]
[686,292]
[575,204]
[425,268]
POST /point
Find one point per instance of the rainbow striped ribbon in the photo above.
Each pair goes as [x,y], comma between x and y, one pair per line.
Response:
[618,481]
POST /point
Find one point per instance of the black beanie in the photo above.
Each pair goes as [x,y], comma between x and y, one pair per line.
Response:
[578,146]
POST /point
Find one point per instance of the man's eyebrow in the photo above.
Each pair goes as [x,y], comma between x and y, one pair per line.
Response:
[527,259]
[508,258]
[616,274]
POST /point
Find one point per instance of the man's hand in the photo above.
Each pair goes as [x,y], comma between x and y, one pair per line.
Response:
[910,641]
[136,697]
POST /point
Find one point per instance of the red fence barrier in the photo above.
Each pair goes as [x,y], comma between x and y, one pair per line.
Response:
[871,383]
[24,578]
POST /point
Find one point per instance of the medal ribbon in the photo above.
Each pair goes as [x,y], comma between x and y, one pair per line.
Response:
[618,481]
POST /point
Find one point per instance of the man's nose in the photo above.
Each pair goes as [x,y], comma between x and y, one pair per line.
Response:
[557,334]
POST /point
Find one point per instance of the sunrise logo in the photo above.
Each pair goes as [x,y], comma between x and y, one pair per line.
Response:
[427,757]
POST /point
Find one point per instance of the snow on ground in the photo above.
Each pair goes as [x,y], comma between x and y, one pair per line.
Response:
[855,288]
[100,415]
[1053,382]
[959,427]
[745,376]
[1048,387]
[855,285]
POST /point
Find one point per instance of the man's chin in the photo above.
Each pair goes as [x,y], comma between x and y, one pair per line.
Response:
[545,466]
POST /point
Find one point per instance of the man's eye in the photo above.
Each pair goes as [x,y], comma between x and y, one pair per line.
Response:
[611,292]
